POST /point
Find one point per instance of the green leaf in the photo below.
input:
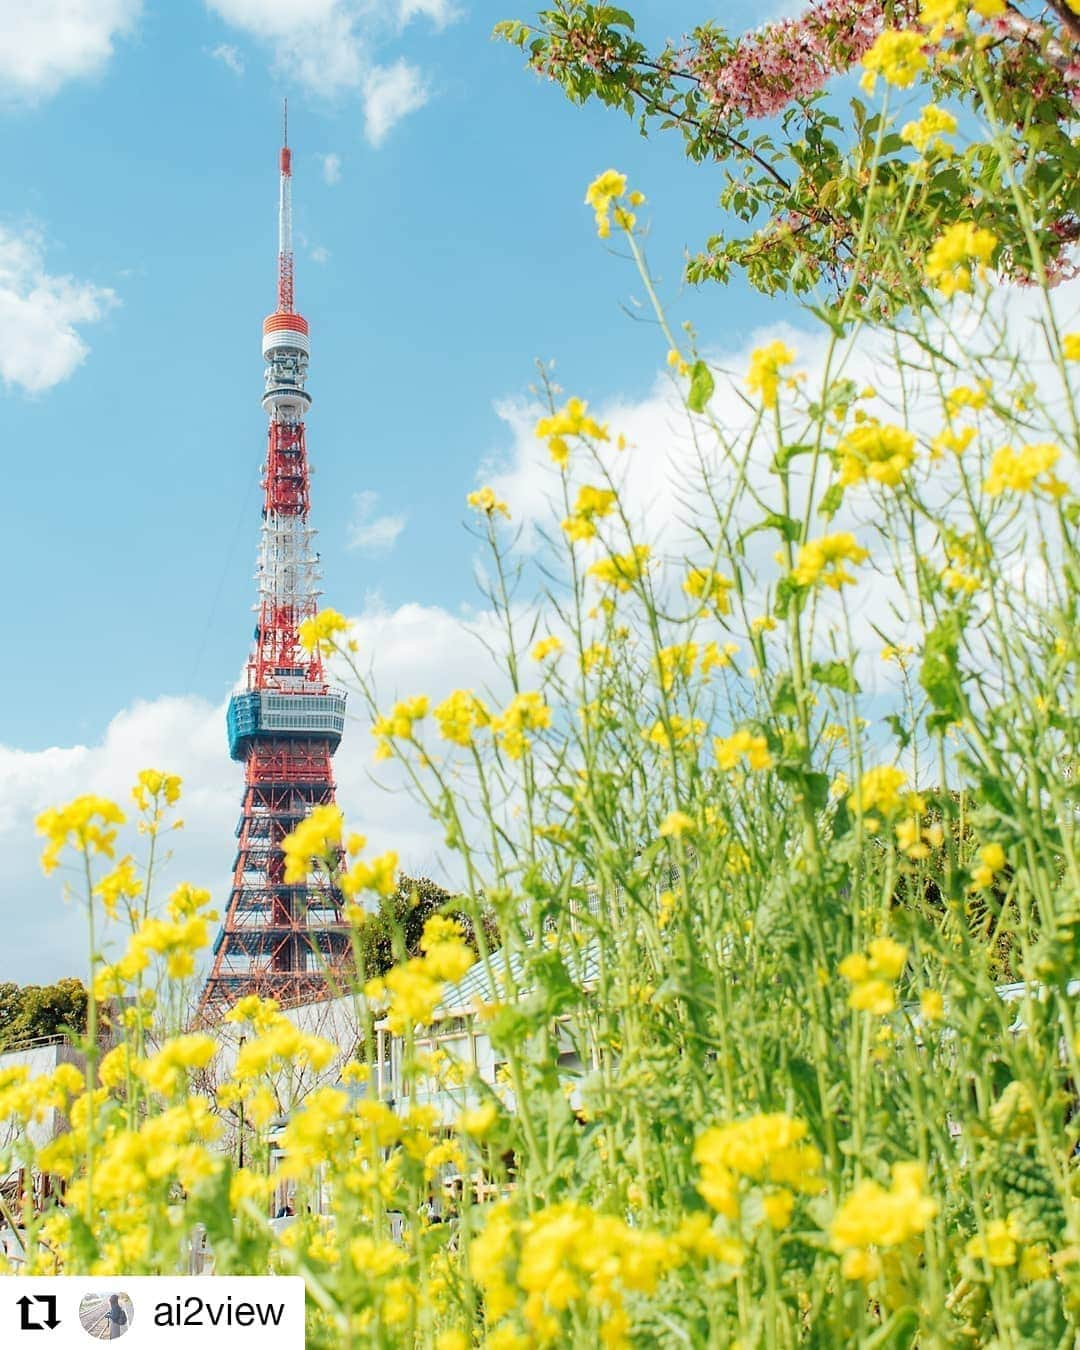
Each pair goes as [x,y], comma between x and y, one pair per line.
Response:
[701,387]
[615,17]
[830,502]
[837,675]
[899,730]
[940,674]
[784,701]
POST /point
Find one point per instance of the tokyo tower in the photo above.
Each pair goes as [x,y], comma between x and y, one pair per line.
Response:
[278,940]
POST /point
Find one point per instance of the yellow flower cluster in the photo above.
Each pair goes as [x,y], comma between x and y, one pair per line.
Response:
[770,1149]
[991,861]
[485,501]
[948,264]
[873,975]
[399,725]
[676,662]
[683,733]
[152,783]
[621,570]
[877,451]
[605,190]
[1026,470]
[677,824]
[279,1043]
[460,715]
[572,420]
[592,504]
[411,991]
[880,789]
[897,57]
[526,711]
[166,1072]
[549,646]
[951,16]
[821,561]
[710,587]
[742,744]
[122,883]
[317,839]
[379,874]
[873,1217]
[319,633]
[765,373]
[570,1261]
[86,824]
[916,841]
[928,134]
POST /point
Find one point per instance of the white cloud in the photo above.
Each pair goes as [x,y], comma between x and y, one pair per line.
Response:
[440,12]
[415,648]
[40,342]
[332,47]
[391,93]
[331,169]
[229,56]
[45,43]
[368,532]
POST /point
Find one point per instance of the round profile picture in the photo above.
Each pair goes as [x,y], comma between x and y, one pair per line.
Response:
[106,1317]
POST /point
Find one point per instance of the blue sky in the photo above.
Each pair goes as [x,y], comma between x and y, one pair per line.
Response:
[453,253]
[441,249]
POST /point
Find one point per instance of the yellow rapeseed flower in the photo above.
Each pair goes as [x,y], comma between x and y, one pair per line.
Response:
[998,1246]
[485,501]
[676,824]
[571,420]
[316,839]
[877,451]
[592,504]
[1070,346]
[874,1217]
[742,744]
[929,132]
[526,711]
[897,57]
[319,633]
[621,570]
[710,587]
[1026,470]
[545,647]
[86,824]
[948,264]
[821,561]
[766,365]
[460,715]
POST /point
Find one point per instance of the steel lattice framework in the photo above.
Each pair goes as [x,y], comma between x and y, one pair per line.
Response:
[281,940]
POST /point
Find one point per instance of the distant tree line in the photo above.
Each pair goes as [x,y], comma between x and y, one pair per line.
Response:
[30,1011]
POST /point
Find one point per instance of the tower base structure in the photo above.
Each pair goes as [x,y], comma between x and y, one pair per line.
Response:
[283,941]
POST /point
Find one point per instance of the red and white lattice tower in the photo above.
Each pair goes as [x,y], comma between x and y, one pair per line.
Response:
[281,940]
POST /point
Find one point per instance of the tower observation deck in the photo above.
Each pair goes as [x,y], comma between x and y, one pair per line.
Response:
[285,941]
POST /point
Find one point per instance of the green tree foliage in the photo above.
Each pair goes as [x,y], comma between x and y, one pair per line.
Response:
[31,1011]
[766,109]
[393,932]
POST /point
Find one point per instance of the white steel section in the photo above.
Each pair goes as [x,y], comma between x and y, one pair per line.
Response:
[287,570]
[286,338]
[285,215]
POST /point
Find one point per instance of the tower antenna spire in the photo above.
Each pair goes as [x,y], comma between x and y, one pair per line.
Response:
[285,121]
[285,251]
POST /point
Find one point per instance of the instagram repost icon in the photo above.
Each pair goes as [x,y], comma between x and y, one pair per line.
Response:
[106,1317]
